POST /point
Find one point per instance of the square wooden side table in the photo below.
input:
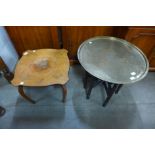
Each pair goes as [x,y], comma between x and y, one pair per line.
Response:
[42,67]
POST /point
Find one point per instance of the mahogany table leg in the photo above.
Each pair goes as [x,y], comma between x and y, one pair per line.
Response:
[21,92]
[2,111]
[64,91]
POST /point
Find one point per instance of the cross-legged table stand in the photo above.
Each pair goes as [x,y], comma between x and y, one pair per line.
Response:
[90,82]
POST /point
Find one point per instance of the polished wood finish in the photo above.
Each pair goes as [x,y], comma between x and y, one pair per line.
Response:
[144,38]
[52,68]
[120,31]
[56,71]
[73,36]
[55,37]
[70,37]
[33,37]
[152,59]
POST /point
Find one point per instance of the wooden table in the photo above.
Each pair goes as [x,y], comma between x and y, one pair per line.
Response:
[42,67]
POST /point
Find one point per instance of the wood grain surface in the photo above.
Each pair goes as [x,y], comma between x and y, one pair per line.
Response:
[73,36]
[33,37]
[27,74]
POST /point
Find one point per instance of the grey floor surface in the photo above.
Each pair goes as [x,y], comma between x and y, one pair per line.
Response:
[133,107]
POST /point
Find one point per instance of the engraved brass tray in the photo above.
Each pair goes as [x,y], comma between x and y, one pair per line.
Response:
[113,60]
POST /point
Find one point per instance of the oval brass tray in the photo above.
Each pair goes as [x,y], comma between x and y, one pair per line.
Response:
[112,59]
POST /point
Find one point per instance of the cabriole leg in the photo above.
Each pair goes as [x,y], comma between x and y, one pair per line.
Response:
[64,91]
[21,92]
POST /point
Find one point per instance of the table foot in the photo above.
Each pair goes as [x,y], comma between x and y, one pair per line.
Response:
[21,92]
[64,92]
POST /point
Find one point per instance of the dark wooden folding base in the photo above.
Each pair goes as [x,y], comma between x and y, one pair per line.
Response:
[90,82]
[22,93]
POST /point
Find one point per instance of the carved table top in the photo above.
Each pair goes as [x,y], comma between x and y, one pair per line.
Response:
[42,67]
